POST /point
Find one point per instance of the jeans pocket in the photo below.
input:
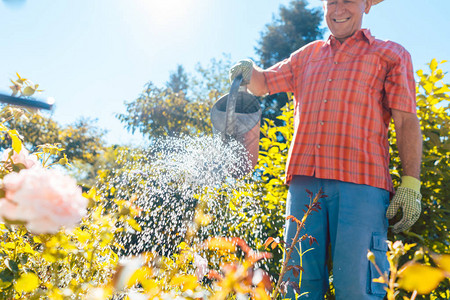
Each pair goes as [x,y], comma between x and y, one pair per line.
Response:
[379,248]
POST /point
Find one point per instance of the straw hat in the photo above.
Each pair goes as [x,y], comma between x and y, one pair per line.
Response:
[373,1]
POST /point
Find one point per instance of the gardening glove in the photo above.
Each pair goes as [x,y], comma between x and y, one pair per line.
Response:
[408,198]
[243,67]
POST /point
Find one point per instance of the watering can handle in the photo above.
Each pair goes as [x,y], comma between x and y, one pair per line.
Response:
[230,120]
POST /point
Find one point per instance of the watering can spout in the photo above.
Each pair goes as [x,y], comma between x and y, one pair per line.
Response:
[237,116]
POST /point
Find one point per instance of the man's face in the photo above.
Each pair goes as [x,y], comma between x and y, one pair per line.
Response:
[344,17]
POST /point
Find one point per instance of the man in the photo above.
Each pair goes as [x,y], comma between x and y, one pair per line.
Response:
[346,90]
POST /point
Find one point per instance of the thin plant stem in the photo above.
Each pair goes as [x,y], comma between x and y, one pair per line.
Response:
[300,225]
[285,262]
[301,264]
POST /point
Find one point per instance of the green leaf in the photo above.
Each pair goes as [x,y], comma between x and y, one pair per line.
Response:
[442,90]
[17,167]
[16,142]
[83,236]
[443,262]
[419,73]
[132,222]
[23,258]
[107,237]
[13,222]
[27,282]
[428,86]
[434,138]
[433,64]
[6,278]
[232,205]
[5,284]
[12,265]
[421,278]
[446,146]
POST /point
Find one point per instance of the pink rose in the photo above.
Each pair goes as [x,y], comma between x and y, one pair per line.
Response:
[201,266]
[23,157]
[44,198]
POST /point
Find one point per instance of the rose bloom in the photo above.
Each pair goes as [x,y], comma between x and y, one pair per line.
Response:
[44,198]
[23,157]
[201,266]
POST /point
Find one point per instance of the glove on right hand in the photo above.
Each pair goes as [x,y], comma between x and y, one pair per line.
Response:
[243,67]
[408,198]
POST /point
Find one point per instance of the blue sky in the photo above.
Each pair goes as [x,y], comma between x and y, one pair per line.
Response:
[93,55]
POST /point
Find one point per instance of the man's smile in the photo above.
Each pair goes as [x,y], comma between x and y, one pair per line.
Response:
[341,20]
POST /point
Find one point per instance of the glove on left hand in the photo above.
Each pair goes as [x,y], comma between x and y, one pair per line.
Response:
[408,198]
[243,67]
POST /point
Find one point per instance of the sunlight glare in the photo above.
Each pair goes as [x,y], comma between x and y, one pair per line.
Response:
[168,13]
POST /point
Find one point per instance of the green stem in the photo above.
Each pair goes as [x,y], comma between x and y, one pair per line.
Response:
[415,235]
[294,242]
[285,262]
[91,262]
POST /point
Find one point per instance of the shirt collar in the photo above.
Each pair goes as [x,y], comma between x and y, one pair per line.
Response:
[366,33]
[362,34]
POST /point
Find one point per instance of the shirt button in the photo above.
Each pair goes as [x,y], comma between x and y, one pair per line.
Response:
[330,80]
[325,101]
[318,146]
[335,62]
[321,123]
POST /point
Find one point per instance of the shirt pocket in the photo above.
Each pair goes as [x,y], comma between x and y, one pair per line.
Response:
[369,73]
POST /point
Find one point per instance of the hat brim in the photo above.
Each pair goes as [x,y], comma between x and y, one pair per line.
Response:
[374,2]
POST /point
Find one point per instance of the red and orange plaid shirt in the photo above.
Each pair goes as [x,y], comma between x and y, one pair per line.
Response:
[343,97]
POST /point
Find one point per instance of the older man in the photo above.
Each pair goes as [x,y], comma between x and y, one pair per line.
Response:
[346,90]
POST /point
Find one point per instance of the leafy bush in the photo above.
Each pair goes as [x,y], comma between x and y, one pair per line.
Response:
[84,262]
[58,265]
[433,110]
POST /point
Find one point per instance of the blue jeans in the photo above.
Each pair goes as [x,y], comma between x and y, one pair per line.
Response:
[352,221]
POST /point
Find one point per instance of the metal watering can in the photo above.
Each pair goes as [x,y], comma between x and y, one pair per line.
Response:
[237,115]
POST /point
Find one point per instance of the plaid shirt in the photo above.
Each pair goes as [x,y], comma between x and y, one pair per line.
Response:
[343,96]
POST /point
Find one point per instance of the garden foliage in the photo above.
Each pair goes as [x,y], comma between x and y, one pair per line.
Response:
[39,258]
[433,108]
[82,140]
[81,261]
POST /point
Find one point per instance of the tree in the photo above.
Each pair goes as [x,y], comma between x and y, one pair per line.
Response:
[295,27]
[93,174]
[162,112]
[211,81]
[35,129]
[82,140]
[178,81]
[182,107]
